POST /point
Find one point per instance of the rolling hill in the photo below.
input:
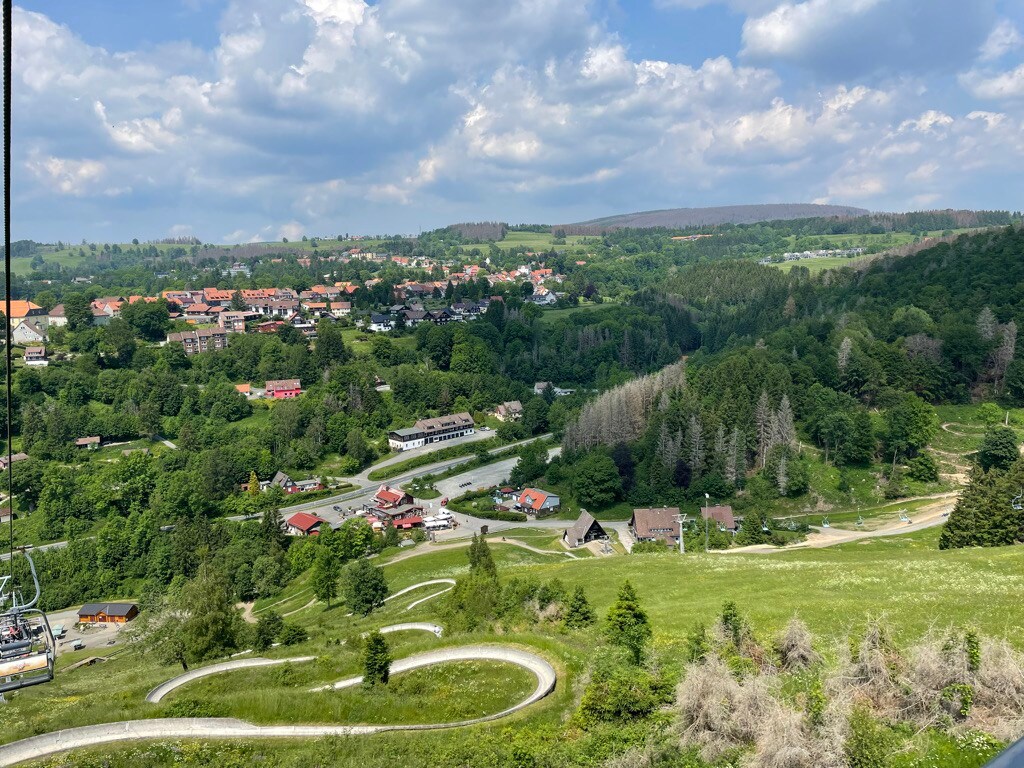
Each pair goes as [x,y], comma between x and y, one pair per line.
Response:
[680,218]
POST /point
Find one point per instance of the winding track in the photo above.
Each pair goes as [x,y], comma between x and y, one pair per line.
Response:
[37,747]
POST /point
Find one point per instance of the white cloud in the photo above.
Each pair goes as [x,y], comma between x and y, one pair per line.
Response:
[1005,37]
[997,87]
[836,39]
[293,230]
[341,114]
[68,177]
[932,121]
[923,172]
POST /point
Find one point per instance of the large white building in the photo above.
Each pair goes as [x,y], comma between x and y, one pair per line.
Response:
[427,431]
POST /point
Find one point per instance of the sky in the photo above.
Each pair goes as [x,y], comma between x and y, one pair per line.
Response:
[249,120]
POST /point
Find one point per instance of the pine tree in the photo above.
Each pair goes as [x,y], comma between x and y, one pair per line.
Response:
[481,562]
[986,324]
[376,660]
[721,456]
[763,421]
[627,625]
[733,470]
[578,613]
[783,428]
[325,574]
[845,349]
[1004,353]
[272,526]
[254,485]
[696,451]
[781,478]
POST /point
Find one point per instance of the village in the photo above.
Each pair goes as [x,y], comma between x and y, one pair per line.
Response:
[204,318]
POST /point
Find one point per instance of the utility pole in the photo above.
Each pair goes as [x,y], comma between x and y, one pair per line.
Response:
[681,519]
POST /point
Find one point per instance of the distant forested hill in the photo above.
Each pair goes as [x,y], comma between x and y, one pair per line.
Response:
[681,218]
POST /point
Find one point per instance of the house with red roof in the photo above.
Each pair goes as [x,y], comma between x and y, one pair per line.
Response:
[304,524]
[387,497]
[283,389]
[534,501]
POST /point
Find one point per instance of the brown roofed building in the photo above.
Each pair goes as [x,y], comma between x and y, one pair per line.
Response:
[583,531]
[509,411]
[721,515]
[200,340]
[658,524]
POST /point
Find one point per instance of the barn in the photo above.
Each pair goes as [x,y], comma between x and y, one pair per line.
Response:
[107,613]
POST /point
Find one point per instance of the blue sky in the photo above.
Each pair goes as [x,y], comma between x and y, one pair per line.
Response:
[238,120]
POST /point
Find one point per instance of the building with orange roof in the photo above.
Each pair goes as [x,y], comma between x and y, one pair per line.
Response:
[22,310]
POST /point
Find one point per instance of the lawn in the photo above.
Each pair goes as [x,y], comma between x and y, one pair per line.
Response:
[359,341]
[443,693]
[552,315]
[887,240]
[904,578]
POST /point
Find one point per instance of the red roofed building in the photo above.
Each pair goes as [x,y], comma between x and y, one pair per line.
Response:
[412,521]
[387,497]
[533,501]
[304,524]
[283,389]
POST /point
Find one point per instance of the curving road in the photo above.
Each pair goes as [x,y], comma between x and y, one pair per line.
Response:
[37,747]
[399,593]
[155,695]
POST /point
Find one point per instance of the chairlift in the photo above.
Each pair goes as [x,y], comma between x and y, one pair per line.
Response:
[904,517]
[791,525]
[824,522]
[27,648]
[1018,501]
[860,520]
[764,526]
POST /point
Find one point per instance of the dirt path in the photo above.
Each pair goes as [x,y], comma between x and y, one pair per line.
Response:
[925,517]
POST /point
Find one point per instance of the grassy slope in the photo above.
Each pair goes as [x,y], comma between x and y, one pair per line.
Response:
[834,590]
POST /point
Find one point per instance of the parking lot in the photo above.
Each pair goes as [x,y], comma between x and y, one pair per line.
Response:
[95,637]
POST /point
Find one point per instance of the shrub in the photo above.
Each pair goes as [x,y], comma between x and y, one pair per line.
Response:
[292,634]
[923,469]
[794,646]
[619,692]
[193,708]
[869,743]
[376,660]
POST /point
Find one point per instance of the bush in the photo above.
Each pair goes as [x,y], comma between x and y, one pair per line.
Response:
[193,708]
[870,743]
[923,469]
[620,692]
[292,634]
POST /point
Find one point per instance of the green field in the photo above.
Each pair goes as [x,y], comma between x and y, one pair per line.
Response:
[444,693]
[836,591]
[552,315]
[535,241]
[888,240]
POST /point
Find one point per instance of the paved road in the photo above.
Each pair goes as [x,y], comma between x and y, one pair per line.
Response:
[357,497]
[48,744]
